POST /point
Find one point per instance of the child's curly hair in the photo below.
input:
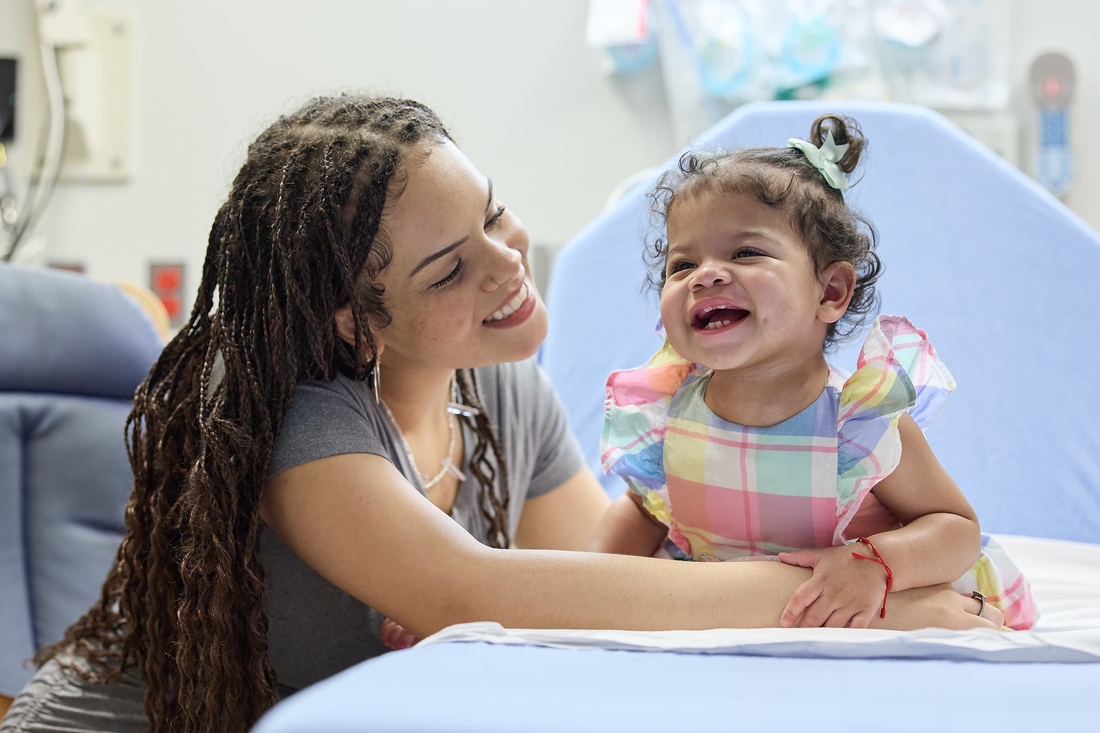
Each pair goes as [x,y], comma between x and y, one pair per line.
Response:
[784,178]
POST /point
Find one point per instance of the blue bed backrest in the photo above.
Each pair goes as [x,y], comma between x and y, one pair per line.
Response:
[1005,279]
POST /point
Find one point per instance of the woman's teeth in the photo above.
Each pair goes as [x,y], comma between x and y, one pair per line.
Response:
[717,324]
[511,306]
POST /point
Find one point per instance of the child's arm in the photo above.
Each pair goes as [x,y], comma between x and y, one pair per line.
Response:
[628,529]
[940,541]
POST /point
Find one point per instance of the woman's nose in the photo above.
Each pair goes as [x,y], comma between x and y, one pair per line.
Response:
[505,268]
[709,276]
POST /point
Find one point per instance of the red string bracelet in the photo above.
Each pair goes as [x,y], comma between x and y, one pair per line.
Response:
[877,559]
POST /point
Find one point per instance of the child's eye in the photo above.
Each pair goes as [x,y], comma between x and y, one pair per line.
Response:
[741,253]
[451,277]
[680,266]
[495,218]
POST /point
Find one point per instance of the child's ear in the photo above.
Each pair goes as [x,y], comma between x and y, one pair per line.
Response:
[838,283]
[345,329]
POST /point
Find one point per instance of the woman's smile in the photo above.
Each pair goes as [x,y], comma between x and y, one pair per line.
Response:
[516,310]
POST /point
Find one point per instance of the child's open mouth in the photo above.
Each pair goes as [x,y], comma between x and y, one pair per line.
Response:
[715,318]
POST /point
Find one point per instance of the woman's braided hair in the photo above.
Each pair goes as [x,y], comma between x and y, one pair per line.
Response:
[784,179]
[299,237]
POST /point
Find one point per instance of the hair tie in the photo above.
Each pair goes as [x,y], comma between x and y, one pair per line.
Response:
[825,159]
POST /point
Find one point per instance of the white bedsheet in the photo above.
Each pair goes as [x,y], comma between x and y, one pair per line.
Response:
[1065,578]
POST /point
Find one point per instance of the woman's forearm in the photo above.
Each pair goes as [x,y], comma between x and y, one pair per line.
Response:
[548,589]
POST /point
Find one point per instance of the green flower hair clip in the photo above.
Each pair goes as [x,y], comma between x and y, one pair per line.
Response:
[825,159]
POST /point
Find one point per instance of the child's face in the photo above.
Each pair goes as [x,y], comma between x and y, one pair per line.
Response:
[740,292]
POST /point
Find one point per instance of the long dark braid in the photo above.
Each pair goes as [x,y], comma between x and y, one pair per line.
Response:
[297,239]
[493,506]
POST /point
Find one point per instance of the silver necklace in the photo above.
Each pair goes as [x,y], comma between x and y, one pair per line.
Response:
[448,465]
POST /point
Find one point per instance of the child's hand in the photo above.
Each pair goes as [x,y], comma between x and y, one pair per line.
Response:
[843,592]
[394,636]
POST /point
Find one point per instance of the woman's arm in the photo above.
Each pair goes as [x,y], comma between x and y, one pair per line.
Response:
[564,518]
[628,529]
[355,520]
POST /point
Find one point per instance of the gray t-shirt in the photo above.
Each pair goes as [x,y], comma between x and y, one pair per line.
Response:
[315,629]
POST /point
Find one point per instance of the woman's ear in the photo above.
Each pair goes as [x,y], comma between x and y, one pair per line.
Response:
[345,329]
[838,282]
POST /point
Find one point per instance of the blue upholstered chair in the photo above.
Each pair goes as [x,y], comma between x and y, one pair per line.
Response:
[72,351]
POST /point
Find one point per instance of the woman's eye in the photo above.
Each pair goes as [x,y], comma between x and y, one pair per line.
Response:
[451,277]
[495,218]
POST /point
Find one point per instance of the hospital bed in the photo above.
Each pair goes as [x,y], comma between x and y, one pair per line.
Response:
[1005,280]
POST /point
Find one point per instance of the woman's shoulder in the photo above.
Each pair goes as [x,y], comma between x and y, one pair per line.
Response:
[327,418]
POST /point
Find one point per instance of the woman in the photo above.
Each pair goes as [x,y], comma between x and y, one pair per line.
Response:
[295,459]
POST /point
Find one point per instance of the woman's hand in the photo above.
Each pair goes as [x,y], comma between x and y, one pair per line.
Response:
[394,636]
[937,606]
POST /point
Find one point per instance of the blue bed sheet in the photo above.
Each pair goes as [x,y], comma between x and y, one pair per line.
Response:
[489,688]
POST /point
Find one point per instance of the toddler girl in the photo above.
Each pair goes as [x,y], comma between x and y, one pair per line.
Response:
[738,441]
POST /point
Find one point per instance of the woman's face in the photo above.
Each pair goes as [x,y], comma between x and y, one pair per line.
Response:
[458,285]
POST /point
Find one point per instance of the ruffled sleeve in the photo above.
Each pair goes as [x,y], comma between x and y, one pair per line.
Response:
[898,371]
[635,416]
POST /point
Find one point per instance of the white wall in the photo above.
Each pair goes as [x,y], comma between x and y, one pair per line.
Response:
[525,98]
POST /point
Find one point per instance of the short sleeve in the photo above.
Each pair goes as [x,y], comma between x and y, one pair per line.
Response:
[557,454]
[635,418]
[327,419]
[898,371]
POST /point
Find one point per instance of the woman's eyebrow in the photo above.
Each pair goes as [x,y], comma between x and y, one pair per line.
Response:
[451,247]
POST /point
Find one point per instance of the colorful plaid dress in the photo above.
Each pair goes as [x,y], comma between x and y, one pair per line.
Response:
[732,492]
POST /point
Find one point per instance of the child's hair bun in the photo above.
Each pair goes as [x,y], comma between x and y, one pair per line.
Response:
[845,132]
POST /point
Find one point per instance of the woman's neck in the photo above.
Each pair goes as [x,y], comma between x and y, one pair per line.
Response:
[417,397]
[765,396]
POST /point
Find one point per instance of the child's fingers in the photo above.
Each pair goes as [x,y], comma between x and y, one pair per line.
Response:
[391,634]
[803,596]
[387,635]
[801,558]
[816,615]
[409,639]
[861,620]
[840,619]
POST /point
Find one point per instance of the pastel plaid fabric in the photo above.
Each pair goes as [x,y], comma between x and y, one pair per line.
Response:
[732,492]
